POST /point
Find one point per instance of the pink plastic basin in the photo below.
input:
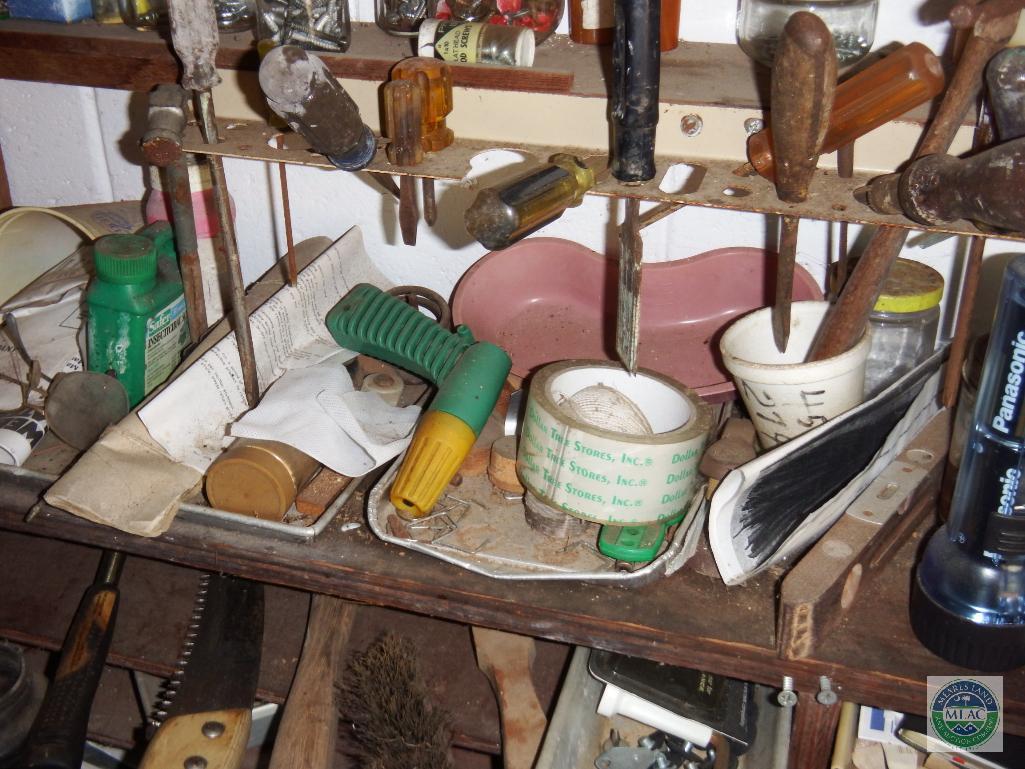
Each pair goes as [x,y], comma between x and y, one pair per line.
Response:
[548,299]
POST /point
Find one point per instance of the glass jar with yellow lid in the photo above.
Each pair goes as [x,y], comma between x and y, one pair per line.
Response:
[904,323]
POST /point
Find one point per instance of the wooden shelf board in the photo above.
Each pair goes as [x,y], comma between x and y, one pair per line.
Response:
[116,56]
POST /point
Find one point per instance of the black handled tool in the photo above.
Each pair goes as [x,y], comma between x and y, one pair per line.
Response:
[57,737]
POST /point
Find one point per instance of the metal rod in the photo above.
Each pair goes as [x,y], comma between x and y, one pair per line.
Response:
[628,318]
[184,222]
[240,315]
[969,286]
[658,213]
[430,202]
[845,170]
[286,208]
[785,281]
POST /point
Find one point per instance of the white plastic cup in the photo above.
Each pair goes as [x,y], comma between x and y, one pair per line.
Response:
[785,396]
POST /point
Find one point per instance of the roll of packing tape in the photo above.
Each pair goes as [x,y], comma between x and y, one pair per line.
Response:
[605,475]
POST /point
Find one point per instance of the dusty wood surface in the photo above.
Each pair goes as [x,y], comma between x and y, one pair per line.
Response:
[115,56]
[687,619]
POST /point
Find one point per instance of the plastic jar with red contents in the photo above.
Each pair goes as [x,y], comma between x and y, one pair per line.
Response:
[540,16]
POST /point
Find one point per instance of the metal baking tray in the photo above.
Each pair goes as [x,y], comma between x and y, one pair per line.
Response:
[291,528]
[209,516]
[477,528]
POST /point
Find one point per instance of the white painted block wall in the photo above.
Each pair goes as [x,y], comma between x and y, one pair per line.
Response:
[67,145]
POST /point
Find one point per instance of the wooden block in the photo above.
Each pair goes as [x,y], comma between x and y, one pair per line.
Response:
[319,493]
[821,588]
[505,658]
[502,467]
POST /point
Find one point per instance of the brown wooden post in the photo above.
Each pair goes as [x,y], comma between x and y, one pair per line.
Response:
[811,741]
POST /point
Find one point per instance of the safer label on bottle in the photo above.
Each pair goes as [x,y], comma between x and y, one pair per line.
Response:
[458,42]
[596,14]
[166,336]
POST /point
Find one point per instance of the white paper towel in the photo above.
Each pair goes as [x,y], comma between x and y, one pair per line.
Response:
[317,410]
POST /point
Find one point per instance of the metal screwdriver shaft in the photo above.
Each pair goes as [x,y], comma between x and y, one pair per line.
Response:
[195,39]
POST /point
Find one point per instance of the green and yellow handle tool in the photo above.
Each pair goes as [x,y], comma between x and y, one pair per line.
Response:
[469,376]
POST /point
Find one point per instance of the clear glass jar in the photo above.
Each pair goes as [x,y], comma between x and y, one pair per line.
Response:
[904,323]
[232,15]
[316,25]
[402,17]
[852,22]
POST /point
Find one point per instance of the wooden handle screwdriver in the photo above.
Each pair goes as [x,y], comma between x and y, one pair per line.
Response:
[403,110]
[434,79]
[803,87]
[908,77]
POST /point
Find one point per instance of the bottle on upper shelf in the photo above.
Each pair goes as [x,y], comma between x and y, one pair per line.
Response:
[852,22]
[591,22]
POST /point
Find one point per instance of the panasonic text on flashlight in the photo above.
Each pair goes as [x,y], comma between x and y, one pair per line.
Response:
[1004,417]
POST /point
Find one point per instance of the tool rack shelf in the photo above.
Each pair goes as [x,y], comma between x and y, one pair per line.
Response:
[115,56]
[709,183]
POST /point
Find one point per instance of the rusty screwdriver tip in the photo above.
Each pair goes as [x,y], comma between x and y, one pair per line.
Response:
[744,170]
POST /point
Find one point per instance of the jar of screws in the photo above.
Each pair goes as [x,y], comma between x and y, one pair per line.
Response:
[316,25]
[402,17]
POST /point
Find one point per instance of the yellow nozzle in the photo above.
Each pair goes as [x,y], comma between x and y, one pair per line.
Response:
[439,446]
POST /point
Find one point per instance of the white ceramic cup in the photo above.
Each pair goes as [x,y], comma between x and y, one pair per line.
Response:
[785,396]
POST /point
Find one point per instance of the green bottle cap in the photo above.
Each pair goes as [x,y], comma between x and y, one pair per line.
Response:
[125,259]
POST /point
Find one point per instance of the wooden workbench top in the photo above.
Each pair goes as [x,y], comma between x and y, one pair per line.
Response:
[687,619]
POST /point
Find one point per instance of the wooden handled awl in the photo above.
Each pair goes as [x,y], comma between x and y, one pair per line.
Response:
[803,87]
[403,109]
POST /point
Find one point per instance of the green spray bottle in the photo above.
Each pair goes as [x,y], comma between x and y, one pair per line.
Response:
[136,305]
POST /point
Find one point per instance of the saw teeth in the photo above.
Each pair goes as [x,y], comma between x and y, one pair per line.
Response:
[171,685]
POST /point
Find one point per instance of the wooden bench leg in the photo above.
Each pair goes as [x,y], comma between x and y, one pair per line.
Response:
[811,741]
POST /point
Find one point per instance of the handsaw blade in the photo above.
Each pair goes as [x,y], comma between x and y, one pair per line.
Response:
[220,660]
[628,308]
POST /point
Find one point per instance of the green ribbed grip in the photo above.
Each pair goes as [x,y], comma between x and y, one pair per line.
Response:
[369,321]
